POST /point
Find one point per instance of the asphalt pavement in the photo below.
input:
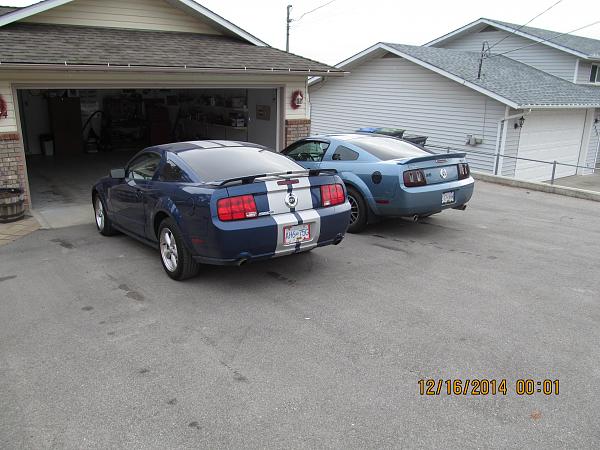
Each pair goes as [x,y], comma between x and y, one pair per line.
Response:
[100,349]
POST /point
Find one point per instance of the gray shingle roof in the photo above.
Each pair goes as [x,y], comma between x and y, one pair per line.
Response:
[57,44]
[587,46]
[507,78]
[7,9]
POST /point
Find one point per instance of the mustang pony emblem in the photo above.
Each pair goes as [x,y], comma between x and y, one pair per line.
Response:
[443,173]
[291,200]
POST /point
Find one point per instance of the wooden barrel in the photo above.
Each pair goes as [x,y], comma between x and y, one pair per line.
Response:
[11,205]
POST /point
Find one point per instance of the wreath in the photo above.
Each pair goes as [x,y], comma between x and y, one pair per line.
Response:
[297,99]
[3,108]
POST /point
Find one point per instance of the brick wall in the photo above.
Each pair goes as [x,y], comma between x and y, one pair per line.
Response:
[296,129]
[12,163]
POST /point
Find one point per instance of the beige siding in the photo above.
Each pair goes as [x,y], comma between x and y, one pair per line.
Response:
[304,111]
[393,92]
[9,124]
[133,14]
[540,56]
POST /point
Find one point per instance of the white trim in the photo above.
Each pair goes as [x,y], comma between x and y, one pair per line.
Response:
[471,25]
[191,5]
[576,74]
[153,69]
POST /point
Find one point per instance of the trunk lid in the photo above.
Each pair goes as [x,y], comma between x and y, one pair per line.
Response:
[437,168]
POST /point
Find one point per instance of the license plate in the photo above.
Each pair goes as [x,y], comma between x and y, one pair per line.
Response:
[296,233]
[447,197]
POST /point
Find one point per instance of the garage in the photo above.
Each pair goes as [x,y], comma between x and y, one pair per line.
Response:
[72,136]
[87,84]
[549,136]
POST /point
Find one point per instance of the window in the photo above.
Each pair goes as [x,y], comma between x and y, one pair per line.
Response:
[311,151]
[344,154]
[386,148]
[144,167]
[223,163]
[595,74]
[172,172]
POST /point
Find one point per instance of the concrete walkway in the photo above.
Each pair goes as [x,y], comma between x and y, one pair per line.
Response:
[587,182]
[10,232]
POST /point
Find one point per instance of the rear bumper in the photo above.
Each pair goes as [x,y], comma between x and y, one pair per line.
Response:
[238,242]
[427,199]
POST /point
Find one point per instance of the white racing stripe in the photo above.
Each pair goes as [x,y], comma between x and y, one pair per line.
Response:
[283,216]
[277,195]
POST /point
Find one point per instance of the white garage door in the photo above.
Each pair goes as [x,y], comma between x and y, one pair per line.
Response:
[550,136]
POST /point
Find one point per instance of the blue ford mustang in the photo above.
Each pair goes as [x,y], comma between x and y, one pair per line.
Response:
[386,176]
[220,202]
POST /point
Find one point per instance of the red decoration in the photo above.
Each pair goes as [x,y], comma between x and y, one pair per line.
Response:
[297,99]
[3,108]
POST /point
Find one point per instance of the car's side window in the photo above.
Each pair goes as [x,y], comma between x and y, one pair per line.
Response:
[144,167]
[172,172]
[344,154]
[312,151]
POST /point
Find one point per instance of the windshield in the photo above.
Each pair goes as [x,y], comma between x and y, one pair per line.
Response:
[386,148]
[217,164]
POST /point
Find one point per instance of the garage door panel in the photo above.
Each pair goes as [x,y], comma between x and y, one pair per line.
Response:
[550,136]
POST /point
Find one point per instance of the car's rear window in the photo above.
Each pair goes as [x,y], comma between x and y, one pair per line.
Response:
[217,164]
[386,148]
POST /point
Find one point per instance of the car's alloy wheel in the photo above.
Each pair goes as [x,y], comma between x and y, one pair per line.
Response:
[99,211]
[358,211]
[168,250]
[354,210]
[103,222]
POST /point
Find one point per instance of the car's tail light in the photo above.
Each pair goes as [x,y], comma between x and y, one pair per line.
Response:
[237,208]
[463,171]
[332,194]
[414,178]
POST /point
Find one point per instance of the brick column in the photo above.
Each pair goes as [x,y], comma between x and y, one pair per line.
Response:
[12,163]
[296,129]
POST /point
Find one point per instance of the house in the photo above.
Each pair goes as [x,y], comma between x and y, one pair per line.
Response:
[573,58]
[84,79]
[506,112]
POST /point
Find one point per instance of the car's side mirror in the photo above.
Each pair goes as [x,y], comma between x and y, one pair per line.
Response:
[119,174]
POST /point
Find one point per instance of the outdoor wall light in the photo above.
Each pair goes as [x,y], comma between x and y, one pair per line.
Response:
[521,121]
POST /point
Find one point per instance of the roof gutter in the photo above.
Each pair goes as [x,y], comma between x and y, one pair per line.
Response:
[170,69]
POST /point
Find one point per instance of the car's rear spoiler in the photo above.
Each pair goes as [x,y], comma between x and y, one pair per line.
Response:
[247,179]
[439,157]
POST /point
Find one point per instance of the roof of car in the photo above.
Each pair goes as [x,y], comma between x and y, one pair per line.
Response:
[177,147]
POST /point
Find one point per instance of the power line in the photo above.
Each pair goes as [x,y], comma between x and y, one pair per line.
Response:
[524,25]
[546,40]
[289,21]
[313,10]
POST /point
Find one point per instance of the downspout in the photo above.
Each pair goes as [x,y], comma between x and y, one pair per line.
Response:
[501,139]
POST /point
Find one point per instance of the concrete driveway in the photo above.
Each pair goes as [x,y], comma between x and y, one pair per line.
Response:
[99,349]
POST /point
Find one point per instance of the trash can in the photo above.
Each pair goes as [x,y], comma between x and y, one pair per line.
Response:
[419,140]
[394,132]
[12,205]
[47,144]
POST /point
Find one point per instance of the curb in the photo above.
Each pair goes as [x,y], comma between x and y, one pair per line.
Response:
[541,187]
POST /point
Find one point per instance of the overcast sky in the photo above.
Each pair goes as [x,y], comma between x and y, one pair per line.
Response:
[345,27]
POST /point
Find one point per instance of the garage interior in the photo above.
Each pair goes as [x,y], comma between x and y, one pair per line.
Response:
[72,137]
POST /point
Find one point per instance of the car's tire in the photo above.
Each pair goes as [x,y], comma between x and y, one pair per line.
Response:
[103,222]
[359,211]
[175,257]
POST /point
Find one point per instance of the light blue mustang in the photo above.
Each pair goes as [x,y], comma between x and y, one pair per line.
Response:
[386,176]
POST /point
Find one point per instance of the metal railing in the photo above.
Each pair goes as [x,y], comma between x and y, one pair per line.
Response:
[498,156]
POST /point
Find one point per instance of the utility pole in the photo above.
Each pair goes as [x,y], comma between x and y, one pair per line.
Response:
[287,34]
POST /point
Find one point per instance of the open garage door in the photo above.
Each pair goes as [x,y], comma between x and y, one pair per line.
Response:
[550,136]
[73,137]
